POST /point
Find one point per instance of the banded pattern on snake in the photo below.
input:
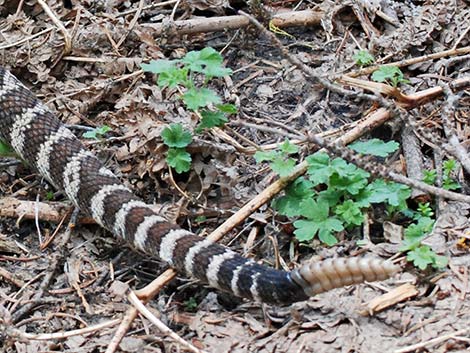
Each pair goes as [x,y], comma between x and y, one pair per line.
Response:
[41,140]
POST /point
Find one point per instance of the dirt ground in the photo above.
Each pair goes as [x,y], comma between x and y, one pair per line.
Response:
[84,63]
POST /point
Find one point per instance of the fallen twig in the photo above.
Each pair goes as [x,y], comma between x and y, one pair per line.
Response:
[60,26]
[24,336]
[50,211]
[407,62]
[432,342]
[215,24]
[159,324]
[448,110]
[406,101]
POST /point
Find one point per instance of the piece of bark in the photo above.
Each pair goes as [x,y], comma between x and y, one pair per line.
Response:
[46,211]
[414,160]
[396,295]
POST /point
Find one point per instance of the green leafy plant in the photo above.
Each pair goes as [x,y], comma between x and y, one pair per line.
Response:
[191,304]
[191,75]
[448,182]
[183,73]
[49,195]
[177,139]
[97,132]
[317,220]
[200,219]
[430,177]
[279,160]
[175,136]
[448,167]
[419,254]
[391,193]
[425,210]
[333,196]
[363,58]
[389,74]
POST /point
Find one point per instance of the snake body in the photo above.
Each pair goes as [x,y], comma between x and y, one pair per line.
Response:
[50,148]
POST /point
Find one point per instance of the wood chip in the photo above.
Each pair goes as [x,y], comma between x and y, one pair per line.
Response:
[397,295]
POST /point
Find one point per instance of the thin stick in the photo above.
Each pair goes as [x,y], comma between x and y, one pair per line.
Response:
[132,24]
[432,342]
[60,335]
[148,7]
[58,23]
[126,322]
[14,44]
[160,325]
[411,61]
[448,110]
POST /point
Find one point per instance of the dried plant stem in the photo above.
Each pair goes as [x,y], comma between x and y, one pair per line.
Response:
[159,324]
[11,278]
[26,39]
[432,342]
[148,7]
[125,324]
[24,336]
[60,26]
[413,157]
[451,52]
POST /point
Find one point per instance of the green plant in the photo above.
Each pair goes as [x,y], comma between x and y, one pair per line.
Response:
[49,195]
[177,139]
[425,210]
[363,58]
[421,255]
[430,176]
[279,160]
[317,220]
[200,219]
[190,75]
[97,132]
[390,74]
[393,194]
[448,183]
[191,304]
[333,195]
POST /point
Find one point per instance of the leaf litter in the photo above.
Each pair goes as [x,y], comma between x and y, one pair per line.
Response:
[88,87]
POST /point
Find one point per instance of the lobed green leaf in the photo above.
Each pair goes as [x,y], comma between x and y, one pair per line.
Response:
[211,119]
[375,147]
[175,136]
[196,98]
[179,159]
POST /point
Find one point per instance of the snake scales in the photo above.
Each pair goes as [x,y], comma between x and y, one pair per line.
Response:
[40,139]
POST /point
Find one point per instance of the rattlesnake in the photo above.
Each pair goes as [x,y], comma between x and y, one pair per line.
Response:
[40,139]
